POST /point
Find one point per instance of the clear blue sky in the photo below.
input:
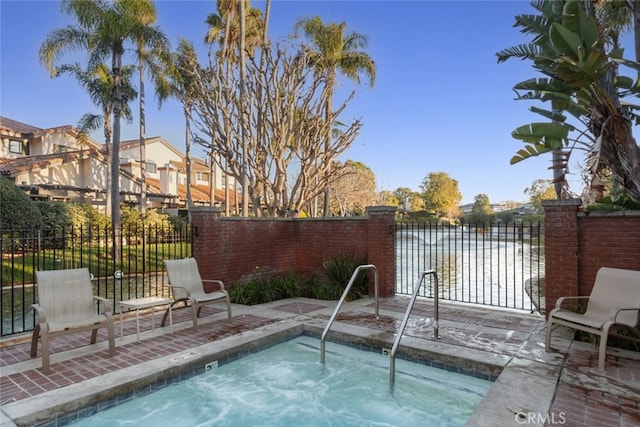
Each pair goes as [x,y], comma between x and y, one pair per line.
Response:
[441,102]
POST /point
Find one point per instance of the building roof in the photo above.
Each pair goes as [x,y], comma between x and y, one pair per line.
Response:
[16,126]
[22,164]
[134,143]
[199,193]
[29,131]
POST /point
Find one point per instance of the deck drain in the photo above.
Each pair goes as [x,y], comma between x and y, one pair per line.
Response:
[184,356]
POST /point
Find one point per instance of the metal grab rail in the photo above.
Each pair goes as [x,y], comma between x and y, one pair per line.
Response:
[342,298]
[396,342]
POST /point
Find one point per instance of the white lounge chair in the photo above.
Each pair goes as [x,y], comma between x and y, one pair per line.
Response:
[615,299]
[66,305]
[187,286]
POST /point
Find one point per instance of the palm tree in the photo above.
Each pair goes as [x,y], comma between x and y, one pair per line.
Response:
[572,53]
[99,85]
[333,51]
[103,29]
[182,74]
[238,29]
[556,133]
[224,28]
[149,60]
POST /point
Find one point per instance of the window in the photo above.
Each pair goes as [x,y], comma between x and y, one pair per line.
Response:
[150,167]
[15,146]
[62,148]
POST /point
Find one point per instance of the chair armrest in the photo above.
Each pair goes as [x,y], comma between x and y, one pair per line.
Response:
[186,291]
[219,282]
[614,313]
[106,302]
[42,314]
[560,300]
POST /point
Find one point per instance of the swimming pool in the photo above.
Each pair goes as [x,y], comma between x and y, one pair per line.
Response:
[286,385]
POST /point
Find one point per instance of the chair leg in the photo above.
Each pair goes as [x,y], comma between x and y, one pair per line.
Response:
[228,308]
[602,353]
[195,310]
[173,304]
[547,341]
[45,351]
[94,335]
[34,340]
[112,336]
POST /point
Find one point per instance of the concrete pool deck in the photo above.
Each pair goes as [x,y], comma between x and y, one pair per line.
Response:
[532,387]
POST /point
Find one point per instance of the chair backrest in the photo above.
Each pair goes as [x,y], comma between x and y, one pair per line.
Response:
[183,273]
[66,295]
[615,288]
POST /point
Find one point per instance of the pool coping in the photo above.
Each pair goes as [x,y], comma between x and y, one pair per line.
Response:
[524,383]
[66,403]
[505,399]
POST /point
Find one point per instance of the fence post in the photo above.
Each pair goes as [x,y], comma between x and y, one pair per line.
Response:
[561,234]
[381,247]
[207,240]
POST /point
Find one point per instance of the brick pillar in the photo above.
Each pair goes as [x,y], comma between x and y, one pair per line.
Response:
[206,231]
[381,248]
[561,240]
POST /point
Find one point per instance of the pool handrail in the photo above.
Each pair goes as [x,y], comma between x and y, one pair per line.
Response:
[405,319]
[342,298]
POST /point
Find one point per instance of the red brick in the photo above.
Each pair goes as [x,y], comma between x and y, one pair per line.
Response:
[236,250]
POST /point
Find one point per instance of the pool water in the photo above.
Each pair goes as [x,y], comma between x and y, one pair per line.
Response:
[286,385]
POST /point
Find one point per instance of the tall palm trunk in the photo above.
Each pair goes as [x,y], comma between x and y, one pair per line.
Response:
[115,156]
[143,151]
[327,143]
[243,73]
[187,143]
[107,142]
[558,163]
[636,27]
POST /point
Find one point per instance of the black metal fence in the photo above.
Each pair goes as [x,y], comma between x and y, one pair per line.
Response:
[492,264]
[135,271]
[497,265]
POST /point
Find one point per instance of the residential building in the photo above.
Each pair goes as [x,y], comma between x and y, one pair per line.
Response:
[62,164]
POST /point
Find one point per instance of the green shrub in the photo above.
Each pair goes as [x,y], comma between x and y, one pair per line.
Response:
[312,287]
[265,289]
[287,287]
[339,270]
[54,215]
[17,211]
[84,215]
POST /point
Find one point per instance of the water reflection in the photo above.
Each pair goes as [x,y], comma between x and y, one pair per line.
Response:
[478,266]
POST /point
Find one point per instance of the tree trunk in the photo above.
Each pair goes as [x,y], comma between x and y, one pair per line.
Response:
[107,141]
[329,107]
[243,72]
[636,28]
[213,179]
[143,153]
[115,157]
[187,160]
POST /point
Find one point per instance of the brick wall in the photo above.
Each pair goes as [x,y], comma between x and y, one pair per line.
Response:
[237,249]
[577,244]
